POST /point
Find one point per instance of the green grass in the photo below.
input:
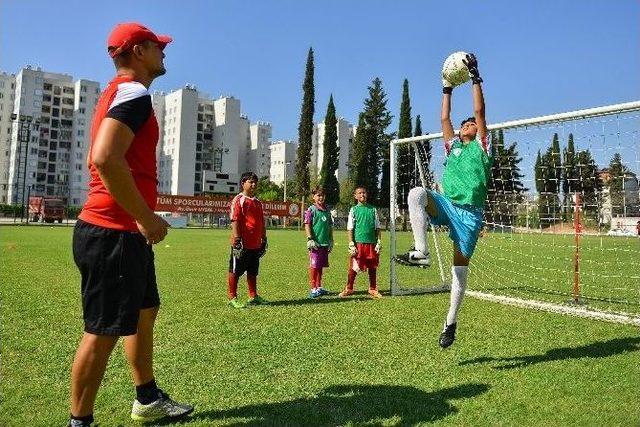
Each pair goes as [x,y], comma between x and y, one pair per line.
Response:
[302,362]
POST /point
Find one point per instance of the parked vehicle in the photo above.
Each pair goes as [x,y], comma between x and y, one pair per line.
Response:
[46,209]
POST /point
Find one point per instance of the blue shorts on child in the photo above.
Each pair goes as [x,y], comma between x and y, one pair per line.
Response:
[464,222]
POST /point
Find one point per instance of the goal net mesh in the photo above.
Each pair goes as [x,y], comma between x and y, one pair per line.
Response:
[561,218]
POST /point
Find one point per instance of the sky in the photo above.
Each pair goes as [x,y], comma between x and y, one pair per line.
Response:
[536,57]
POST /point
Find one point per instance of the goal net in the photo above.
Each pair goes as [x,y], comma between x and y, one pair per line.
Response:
[561,219]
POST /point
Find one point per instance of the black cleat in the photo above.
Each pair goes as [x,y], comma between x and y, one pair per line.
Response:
[414,258]
[448,336]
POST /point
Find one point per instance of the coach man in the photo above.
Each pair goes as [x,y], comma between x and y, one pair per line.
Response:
[116,228]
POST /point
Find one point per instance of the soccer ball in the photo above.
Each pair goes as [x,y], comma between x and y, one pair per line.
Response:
[454,71]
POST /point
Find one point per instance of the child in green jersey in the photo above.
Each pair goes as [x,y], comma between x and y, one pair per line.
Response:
[318,226]
[364,243]
[466,173]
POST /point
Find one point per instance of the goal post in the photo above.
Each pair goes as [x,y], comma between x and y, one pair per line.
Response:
[528,251]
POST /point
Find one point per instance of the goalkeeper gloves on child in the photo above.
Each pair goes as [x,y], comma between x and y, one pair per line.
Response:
[311,244]
[237,249]
[472,65]
[353,250]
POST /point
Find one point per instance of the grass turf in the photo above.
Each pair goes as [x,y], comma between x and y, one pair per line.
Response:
[301,362]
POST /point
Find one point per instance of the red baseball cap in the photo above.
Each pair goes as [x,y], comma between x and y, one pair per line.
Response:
[124,36]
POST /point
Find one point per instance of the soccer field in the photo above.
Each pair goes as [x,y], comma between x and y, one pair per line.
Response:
[312,362]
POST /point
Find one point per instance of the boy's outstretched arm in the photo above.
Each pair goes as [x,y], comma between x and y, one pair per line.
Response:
[478,97]
[445,116]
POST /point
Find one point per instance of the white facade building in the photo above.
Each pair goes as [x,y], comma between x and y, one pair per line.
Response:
[260,153]
[205,144]
[58,136]
[283,161]
[345,139]
[7,95]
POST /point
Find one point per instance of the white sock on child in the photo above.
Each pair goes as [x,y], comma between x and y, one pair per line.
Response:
[458,287]
[417,201]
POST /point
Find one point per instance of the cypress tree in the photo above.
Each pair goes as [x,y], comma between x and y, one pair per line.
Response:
[358,167]
[569,176]
[424,157]
[588,184]
[617,173]
[331,155]
[377,119]
[405,158]
[305,130]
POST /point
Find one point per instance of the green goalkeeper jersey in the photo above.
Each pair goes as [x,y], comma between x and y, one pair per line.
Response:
[467,171]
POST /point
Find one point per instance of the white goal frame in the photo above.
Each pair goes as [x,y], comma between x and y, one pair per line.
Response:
[396,289]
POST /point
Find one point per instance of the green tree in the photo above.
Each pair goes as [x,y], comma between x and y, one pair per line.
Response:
[569,176]
[268,191]
[377,119]
[424,157]
[588,184]
[358,167]
[305,130]
[505,190]
[618,172]
[549,170]
[331,155]
[405,159]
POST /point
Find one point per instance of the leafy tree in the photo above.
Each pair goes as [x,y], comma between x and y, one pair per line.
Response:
[618,172]
[305,130]
[377,119]
[268,191]
[358,167]
[405,159]
[588,184]
[569,176]
[505,190]
[331,155]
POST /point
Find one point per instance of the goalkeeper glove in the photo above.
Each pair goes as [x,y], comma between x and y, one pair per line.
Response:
[378,247]
[353,250]
[311,244]
[472,65]
[237,249]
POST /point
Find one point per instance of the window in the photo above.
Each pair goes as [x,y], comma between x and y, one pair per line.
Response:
[217,161]
[56,90]
[67,90]
[51,168]
[55,123]
[54,134]
[55,112]
[56,100]
[83,88]
[53,145]
[52,157]
[47,86]
[83,99]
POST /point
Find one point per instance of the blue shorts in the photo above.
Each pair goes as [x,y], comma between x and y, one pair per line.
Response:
[464,222]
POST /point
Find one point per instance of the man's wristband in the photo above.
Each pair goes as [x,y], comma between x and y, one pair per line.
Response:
[476,80]
[447,90]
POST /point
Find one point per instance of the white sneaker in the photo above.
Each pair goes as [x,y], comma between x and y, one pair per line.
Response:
[164,407]
[415,258]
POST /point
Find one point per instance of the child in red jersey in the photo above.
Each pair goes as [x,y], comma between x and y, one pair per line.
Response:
[248,241]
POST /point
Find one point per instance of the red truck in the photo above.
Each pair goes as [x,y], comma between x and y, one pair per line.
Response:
[46,209]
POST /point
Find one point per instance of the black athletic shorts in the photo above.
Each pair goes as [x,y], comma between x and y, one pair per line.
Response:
[118,278]
[249,262]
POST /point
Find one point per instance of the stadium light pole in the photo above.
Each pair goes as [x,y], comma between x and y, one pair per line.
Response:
[285,180]
[24,135]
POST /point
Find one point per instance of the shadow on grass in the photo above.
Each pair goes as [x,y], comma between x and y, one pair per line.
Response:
[349,404]
[328,299]
[594,350]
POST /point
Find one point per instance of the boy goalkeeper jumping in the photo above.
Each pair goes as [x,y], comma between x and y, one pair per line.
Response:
[466,173]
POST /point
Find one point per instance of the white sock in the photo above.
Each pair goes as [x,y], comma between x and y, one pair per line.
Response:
[417,201]
[458,286]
